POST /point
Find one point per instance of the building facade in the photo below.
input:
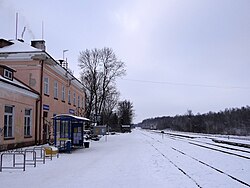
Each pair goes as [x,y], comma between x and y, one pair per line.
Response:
[18,106]
[59,91]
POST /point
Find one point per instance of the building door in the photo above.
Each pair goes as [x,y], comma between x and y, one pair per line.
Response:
[77,134]
[45,127]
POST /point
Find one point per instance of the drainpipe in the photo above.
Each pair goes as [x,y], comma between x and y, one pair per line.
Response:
[36,118]
[41,102]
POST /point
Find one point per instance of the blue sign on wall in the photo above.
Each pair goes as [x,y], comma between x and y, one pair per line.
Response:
[71,111]
[46,107]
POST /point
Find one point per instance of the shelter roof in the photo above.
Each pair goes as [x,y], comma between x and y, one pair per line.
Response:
[69,117]
[125,126]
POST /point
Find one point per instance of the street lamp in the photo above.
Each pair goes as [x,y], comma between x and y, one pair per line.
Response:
[64,52]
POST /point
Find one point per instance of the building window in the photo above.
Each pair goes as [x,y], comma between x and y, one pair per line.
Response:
[8,74]
[27,122]
[78,102]
[83,102]
[74,99]
[63,93]
[69,97]
[46,86]
[8,121]
[55,90]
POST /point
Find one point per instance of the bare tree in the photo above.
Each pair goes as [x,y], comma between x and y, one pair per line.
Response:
[126,112]
[99,70]
[109,105]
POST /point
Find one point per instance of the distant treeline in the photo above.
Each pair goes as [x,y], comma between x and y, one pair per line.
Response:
[230,121]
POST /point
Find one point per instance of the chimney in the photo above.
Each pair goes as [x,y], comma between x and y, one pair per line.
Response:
[4,43]
[40,44]
[61,62]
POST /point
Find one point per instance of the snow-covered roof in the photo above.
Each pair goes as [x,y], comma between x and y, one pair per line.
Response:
[70,116]
[21,50]
[126,126]
[17,86]
[19,46]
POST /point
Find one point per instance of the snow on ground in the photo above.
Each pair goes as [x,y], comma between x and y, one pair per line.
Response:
[240,139]
[135,160]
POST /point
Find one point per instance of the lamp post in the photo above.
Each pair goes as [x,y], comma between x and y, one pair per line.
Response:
[64,52]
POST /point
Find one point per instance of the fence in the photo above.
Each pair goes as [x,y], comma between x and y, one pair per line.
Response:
[20,158]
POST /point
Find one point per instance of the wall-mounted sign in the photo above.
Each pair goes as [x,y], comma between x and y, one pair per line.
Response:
[46,107]
[71,111]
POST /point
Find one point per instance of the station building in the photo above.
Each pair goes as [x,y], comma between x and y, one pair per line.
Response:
[50,89]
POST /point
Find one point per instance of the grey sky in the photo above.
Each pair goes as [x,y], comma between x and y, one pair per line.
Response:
[180,54]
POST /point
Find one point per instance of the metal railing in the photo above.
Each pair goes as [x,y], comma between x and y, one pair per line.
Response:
[15,165]
[20,158]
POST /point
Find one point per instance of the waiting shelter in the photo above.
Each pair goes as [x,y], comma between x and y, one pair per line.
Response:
[68,131]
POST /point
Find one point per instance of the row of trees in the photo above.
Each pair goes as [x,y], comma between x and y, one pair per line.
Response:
[234,121]
[100,69]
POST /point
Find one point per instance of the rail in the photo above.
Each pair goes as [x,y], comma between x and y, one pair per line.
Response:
[40,157]
[31,161]
[14,165]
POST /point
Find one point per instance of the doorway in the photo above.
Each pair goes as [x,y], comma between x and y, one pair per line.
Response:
[46,135]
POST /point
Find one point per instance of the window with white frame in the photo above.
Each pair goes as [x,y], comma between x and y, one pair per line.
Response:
[27,122]
[63,93]
[56,89]
[8,74]
[46,85]
[74,99]
[8,121]
[69,101]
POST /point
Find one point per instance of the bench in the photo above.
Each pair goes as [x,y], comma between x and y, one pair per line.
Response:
[51,151]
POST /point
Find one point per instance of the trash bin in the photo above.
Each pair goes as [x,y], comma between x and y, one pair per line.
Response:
[68,146]
[86,144]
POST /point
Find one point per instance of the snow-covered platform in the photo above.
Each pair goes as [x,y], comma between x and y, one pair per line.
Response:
[141,159]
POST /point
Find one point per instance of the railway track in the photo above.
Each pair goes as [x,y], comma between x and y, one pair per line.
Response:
[201,162]
[176,166]
[242,153]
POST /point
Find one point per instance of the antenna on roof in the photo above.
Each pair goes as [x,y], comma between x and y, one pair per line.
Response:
[23,32]
[42,30]
[16,24]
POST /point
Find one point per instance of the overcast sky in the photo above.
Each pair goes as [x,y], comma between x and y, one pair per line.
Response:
[180,54]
